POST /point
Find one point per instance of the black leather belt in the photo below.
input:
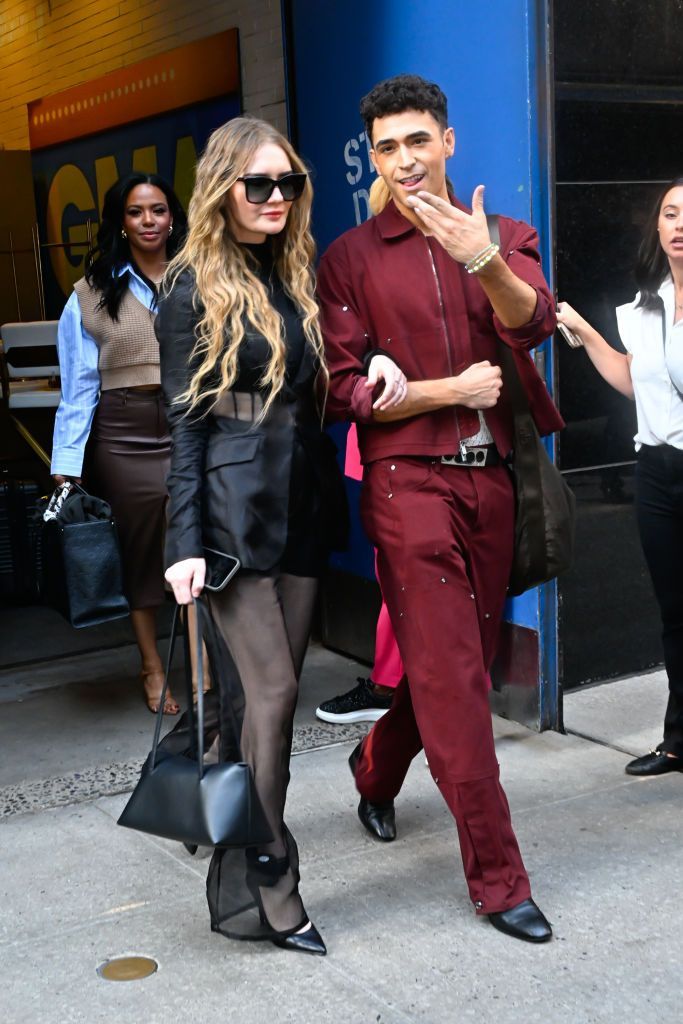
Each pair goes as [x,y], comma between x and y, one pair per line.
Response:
[473,458]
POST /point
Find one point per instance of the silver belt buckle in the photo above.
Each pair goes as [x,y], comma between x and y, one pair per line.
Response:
[472,458]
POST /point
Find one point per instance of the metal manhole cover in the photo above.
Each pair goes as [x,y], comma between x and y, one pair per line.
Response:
[127,968]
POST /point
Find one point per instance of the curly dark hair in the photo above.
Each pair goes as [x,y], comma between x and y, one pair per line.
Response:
[652,264]
[111,251]
[403,92]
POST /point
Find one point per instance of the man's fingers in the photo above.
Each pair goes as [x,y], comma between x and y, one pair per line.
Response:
[422,208]
[478,199]
[436,201]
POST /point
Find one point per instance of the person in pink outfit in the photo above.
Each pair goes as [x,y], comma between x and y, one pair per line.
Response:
[371,697]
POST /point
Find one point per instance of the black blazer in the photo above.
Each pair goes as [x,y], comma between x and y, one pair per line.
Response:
[229,478]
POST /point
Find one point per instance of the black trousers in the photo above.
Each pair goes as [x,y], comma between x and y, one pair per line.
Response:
[659,507]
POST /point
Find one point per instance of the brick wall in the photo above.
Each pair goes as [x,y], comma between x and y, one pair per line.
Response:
[49,46]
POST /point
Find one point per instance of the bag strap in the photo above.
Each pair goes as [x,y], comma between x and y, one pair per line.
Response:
[525,451]
[162,698]
[519,403]
[196,729]
[196,722]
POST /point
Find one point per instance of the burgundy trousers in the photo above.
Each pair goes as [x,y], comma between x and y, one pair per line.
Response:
[444,536]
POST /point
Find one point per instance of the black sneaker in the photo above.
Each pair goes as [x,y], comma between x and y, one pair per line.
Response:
[361,704]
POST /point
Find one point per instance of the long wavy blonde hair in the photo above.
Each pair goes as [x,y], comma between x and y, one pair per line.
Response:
[228,290]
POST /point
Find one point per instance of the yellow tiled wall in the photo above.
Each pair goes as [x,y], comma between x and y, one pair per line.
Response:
[50,45]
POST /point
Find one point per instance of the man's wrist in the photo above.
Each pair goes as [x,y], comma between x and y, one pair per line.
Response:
[492,268]
[443,392]
[482,258]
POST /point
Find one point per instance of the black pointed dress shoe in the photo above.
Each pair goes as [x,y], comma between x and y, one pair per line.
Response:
[657,762]
[378,819]
[524,921]
[309,941]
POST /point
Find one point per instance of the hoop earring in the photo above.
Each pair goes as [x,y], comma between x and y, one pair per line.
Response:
[123,233]
[170,231]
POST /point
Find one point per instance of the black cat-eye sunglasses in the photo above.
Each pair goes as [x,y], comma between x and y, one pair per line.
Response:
[259,188]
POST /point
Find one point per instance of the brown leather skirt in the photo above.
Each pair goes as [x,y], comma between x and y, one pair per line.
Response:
[127,462]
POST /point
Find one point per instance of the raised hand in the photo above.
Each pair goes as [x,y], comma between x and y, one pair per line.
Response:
[463,235]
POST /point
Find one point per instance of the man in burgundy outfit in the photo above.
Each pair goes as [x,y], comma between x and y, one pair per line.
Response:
[423,283]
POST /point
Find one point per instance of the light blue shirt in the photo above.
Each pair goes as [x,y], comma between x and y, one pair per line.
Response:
[80,380]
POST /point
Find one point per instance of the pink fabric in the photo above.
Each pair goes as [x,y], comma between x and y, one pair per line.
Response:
[388,667]
[352,466]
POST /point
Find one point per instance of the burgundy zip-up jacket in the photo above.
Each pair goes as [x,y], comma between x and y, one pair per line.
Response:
[385,287]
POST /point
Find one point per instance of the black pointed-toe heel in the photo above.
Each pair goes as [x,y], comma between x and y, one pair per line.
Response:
[309,941]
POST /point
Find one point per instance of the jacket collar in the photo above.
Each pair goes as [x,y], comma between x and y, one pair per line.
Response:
[392,224]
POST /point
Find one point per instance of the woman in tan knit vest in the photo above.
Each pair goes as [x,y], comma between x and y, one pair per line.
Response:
[111,398]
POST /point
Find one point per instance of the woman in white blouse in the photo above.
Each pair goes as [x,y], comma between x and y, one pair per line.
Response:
[651,372]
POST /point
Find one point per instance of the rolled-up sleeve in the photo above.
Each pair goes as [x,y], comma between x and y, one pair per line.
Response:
[346,341]
[520,252]
[80,383]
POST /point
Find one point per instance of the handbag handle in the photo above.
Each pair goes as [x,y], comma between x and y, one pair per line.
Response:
[197,735]
[196,728]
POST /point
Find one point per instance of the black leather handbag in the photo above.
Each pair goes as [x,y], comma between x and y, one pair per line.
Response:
[178,797]
[545,507]
[81,574]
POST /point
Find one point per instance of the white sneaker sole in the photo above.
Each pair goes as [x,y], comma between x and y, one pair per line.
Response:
[370,715]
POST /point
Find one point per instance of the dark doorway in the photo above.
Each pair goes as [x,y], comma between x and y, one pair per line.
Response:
[618,123]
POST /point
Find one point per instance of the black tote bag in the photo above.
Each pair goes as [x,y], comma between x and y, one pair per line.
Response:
[545,506]
[81,575]
[178,797]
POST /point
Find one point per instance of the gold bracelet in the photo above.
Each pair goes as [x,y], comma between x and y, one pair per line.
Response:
[479,261]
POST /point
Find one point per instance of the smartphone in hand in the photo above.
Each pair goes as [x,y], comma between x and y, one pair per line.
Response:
[220,569]
[572,339]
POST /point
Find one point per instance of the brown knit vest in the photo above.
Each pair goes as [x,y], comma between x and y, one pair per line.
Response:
[129,350]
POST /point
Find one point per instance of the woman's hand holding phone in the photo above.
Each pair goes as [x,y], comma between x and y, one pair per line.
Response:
[569,324]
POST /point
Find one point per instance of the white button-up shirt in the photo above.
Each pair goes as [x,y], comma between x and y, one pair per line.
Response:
[656,368]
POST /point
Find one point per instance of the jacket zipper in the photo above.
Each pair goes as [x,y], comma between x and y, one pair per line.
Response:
[461,443]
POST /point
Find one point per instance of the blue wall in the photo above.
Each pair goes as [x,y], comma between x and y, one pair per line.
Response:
[480,53]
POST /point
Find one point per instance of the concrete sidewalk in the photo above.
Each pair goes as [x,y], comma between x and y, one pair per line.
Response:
[603,851]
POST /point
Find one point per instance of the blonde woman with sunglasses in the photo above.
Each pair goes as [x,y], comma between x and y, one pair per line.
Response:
[253,475]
